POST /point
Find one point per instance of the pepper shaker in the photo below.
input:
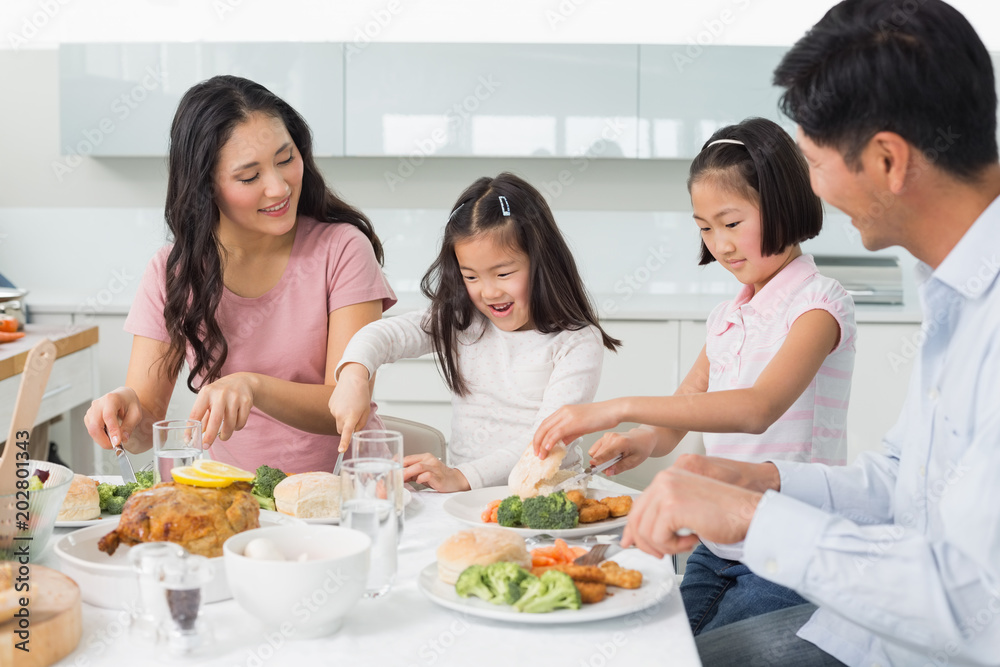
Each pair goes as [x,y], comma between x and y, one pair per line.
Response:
[181,581]
[149,618]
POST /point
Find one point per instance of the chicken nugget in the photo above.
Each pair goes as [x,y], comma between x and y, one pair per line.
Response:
[587,502]
[591,591]
[616,575]
[619,505]
[590,573]
[594,512]
[576,498]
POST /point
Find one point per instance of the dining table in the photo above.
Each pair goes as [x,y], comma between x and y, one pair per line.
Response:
[405,628]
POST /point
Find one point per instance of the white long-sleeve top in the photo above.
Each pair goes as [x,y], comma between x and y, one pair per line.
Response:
[515,380]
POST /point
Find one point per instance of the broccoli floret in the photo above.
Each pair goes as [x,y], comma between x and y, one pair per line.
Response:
[116,504]
[144,478]
[265,503]
[553,590]
[551,512]
[509,512]
[125,490]
[472,581]
[105,492]
[504,579]
[265,481]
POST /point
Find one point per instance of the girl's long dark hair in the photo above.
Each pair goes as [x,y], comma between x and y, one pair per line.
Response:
[205,119]
[559,300]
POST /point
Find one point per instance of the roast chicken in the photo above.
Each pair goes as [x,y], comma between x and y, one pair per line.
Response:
[199,519]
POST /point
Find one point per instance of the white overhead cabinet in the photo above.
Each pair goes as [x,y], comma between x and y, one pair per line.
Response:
[687,92]
[526,100]
[119,99]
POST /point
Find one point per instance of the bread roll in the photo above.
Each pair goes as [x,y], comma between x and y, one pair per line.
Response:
[479,546]
[82,502]
[309,495]
[530,471]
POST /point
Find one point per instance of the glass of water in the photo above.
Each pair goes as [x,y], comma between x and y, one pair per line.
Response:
[367,489]
[176,443]
[388,445]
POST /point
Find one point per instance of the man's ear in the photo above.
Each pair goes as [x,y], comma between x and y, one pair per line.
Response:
[889,157]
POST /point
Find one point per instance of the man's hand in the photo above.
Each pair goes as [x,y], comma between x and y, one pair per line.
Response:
[677,499]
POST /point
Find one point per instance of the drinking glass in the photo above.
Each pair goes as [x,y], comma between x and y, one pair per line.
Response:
[388,445]
[176,443]
[367,489]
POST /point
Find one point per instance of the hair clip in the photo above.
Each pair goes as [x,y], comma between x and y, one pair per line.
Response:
[504,206]
[455,211]
[725,141]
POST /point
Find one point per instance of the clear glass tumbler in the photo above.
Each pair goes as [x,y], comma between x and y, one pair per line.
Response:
[176,443]
[367,489]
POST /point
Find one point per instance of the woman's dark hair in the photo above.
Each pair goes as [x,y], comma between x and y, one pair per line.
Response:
[559,301]
[205,119]
[769,170]
[914,68]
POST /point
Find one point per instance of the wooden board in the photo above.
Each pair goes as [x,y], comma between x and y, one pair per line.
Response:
[54,617]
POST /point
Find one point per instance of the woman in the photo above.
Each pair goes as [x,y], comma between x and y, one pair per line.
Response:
[269,276]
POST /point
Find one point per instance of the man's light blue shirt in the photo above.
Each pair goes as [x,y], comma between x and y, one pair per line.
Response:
[901,550]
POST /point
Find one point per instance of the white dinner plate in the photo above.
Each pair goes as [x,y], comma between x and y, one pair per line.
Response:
[335,520]
[657,582]
[110,582]
[468,507]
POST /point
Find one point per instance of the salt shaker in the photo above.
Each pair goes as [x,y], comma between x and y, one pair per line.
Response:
[149,618]
[181,581]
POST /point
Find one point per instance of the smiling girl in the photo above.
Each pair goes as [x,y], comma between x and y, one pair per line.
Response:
[512,327]
[774,377]
[268,276]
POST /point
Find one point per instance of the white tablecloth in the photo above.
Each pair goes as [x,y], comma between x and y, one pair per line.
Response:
[405,628]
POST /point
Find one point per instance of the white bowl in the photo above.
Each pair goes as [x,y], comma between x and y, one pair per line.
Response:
[300,599]
[111,582]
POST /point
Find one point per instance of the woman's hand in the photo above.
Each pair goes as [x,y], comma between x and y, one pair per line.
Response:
[223,406]
[677,500]
[350,402]
[572,421]
[429,469]
[636,445]
[113,417]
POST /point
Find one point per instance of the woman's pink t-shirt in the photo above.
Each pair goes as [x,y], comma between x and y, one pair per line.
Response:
[282,334]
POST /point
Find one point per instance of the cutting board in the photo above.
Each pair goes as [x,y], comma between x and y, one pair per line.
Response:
[55,625]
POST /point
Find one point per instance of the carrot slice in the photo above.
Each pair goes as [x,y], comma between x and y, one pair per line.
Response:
[6,336]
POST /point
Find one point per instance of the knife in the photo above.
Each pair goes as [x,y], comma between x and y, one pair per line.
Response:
[589,471]
[124,465]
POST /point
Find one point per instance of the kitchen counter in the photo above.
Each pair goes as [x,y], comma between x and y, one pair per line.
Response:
[406,628]
[67,341]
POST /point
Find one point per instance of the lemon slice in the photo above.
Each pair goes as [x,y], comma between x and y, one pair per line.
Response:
[194,477]
[220,469]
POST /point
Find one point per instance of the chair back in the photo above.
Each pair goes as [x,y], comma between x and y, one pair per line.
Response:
[417,438]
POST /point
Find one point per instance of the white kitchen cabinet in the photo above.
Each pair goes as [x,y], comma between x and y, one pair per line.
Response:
[419,100]
[688,91]
[119,99]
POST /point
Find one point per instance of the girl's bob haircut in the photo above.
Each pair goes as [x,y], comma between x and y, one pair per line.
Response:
[516,216]
[768,170]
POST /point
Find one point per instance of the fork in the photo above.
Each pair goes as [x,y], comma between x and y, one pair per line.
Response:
[595,555]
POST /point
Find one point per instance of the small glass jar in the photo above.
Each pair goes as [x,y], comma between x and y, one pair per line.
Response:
[181,581]
[150,616]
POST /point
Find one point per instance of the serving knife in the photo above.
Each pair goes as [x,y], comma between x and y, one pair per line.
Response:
[124,465]
[588,472]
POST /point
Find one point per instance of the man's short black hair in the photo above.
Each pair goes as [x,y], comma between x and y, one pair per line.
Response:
[913,67]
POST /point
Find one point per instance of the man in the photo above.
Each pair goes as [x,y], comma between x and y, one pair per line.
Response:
[900,552]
